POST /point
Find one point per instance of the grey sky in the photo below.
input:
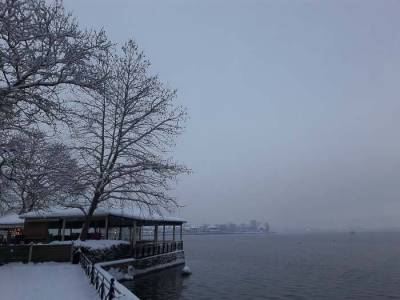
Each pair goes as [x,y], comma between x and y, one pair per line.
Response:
[294,105]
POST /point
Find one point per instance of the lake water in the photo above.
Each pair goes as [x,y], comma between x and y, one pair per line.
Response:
[279,266]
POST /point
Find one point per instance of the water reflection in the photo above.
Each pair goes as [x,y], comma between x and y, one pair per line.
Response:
[165,285]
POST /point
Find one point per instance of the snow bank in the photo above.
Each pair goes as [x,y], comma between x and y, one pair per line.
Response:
[99,244]
[45,281]
[93,244]
[128,295]
[186,270]
[118,274]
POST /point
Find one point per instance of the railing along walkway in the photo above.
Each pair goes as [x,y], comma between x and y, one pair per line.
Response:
[104,285]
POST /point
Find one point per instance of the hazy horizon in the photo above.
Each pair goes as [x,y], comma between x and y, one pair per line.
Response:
[293,105]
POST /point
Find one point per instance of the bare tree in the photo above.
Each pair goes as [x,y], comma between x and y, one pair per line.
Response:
[6,195]
[37,174]
[123,136]
[43,56]
[42,52]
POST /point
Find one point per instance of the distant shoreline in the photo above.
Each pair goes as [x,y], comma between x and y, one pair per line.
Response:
[225,233]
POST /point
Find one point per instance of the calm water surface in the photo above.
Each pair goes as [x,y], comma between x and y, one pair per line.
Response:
[311,266]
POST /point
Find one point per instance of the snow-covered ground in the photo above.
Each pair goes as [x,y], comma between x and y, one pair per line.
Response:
[45,281]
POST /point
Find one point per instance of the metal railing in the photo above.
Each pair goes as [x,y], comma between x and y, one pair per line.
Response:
[105,287]
[143,250]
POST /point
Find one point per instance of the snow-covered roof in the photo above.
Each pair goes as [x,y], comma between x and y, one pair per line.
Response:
[11,220]
[136,214]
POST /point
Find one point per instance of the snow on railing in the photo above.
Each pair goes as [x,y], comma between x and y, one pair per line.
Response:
[106,285]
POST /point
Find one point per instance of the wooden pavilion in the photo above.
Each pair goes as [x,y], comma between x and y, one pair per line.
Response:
[138,227]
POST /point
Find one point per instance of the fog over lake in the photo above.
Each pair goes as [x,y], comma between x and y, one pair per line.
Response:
[294,105]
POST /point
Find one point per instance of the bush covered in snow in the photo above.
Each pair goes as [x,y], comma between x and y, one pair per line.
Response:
[104,250]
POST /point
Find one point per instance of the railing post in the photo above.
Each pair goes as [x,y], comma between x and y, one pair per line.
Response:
[72,252]
[155,233]
[92,275]
[97,281]
[30,252]
[111,292]
[106,229]
[64,221]
[102,289]
[134,239]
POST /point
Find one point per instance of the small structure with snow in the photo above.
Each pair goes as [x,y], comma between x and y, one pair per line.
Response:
[118,224]
[146,235]
[11,226]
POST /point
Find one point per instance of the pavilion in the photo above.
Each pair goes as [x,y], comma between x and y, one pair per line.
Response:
[138,227]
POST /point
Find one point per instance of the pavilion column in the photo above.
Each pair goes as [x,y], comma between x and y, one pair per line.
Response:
[173,233]
[181,233]
[156,233]
[120,233]
[63,229]
[163,233]
[134,234]
[140,232]
[106,235]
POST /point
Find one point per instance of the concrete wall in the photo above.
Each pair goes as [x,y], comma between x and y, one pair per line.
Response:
[130,268]
[158,262]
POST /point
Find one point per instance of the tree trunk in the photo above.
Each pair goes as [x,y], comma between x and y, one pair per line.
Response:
[88,217]
[85,229]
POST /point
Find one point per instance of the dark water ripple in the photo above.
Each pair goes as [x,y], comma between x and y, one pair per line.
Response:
[282,267]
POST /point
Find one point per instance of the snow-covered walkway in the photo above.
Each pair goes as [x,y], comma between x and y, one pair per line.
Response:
[45,281]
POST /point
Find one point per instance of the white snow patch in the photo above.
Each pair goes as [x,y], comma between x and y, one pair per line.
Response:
[93,244]
[45,281]
[118,274]
[186,270]
[127,295]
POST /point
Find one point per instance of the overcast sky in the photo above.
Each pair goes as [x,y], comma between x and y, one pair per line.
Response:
[294,105]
